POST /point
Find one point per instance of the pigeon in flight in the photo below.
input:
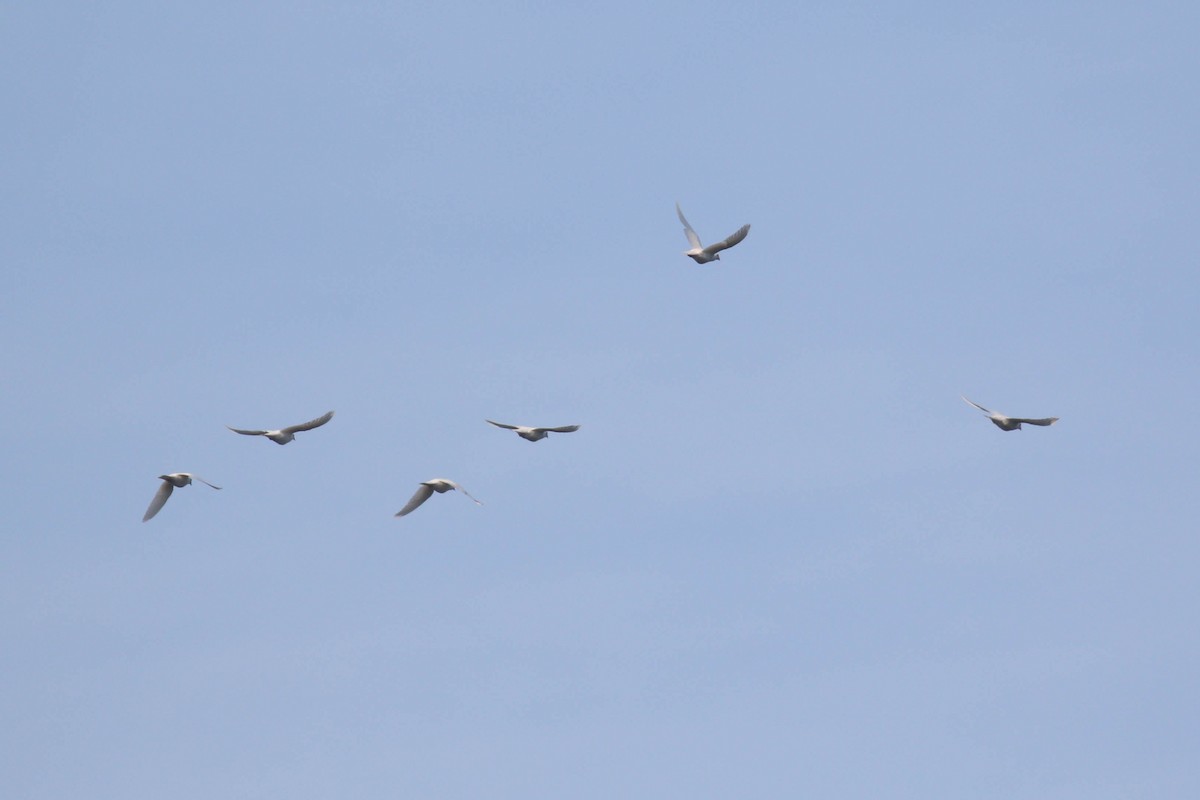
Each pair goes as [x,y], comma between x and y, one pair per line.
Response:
[169,483]
[426,490]
[703,255]
[534,434]
[285,435]
[1011,423]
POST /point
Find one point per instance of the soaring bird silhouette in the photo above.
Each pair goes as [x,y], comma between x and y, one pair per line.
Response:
[534,434]
[426,490]
[285,435]
[175,479]
[701,254]
[1010,423]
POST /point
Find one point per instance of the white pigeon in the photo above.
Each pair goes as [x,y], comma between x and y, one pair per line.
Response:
[179,479]
[534,434]
[426,490]
[285,435]
[701,254]
[1010,423]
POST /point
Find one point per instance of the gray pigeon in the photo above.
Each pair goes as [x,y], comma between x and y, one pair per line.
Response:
[701,254]
[170,481]
[426,490]
[534,434]
[1011,423]
[285,435]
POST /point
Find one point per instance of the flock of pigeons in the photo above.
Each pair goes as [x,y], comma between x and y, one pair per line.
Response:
[176,480]
[698,253]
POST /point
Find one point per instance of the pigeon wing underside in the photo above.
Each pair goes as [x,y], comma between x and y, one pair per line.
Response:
[312,423]
[733,239]
[420,496]
[464,491]
[973,403]
[160,499]
[206,483]
[693,239]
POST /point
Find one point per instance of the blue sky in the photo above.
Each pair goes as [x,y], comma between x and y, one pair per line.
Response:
[781,557]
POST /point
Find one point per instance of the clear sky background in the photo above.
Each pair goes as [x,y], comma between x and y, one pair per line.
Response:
[781,558]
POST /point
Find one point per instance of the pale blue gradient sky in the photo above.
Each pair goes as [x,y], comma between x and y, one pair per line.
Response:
[781,558]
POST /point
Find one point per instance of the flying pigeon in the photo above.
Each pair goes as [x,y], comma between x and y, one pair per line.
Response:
[426,490]
[703,255]
[534,434]
[1011,423]
[285,435]
[169,483]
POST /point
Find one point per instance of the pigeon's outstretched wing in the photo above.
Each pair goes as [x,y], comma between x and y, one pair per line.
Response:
[1042,422]
[160,500]
[502,425]
[422,494]
[733,239]
[973,403]
[248,433]
[563,429]
[196,477]
[692,238]
[464,491]
[308,426]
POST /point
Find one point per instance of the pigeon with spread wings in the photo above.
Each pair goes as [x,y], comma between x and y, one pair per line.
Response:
[701,254]
[534,434]
[426,490]
[1010,423]
[285,435]
[170,482]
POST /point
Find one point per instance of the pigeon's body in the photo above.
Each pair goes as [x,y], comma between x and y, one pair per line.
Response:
[534,434]
[170,482]
[1011,423]
[426,490]
[701,254]
[285,435]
